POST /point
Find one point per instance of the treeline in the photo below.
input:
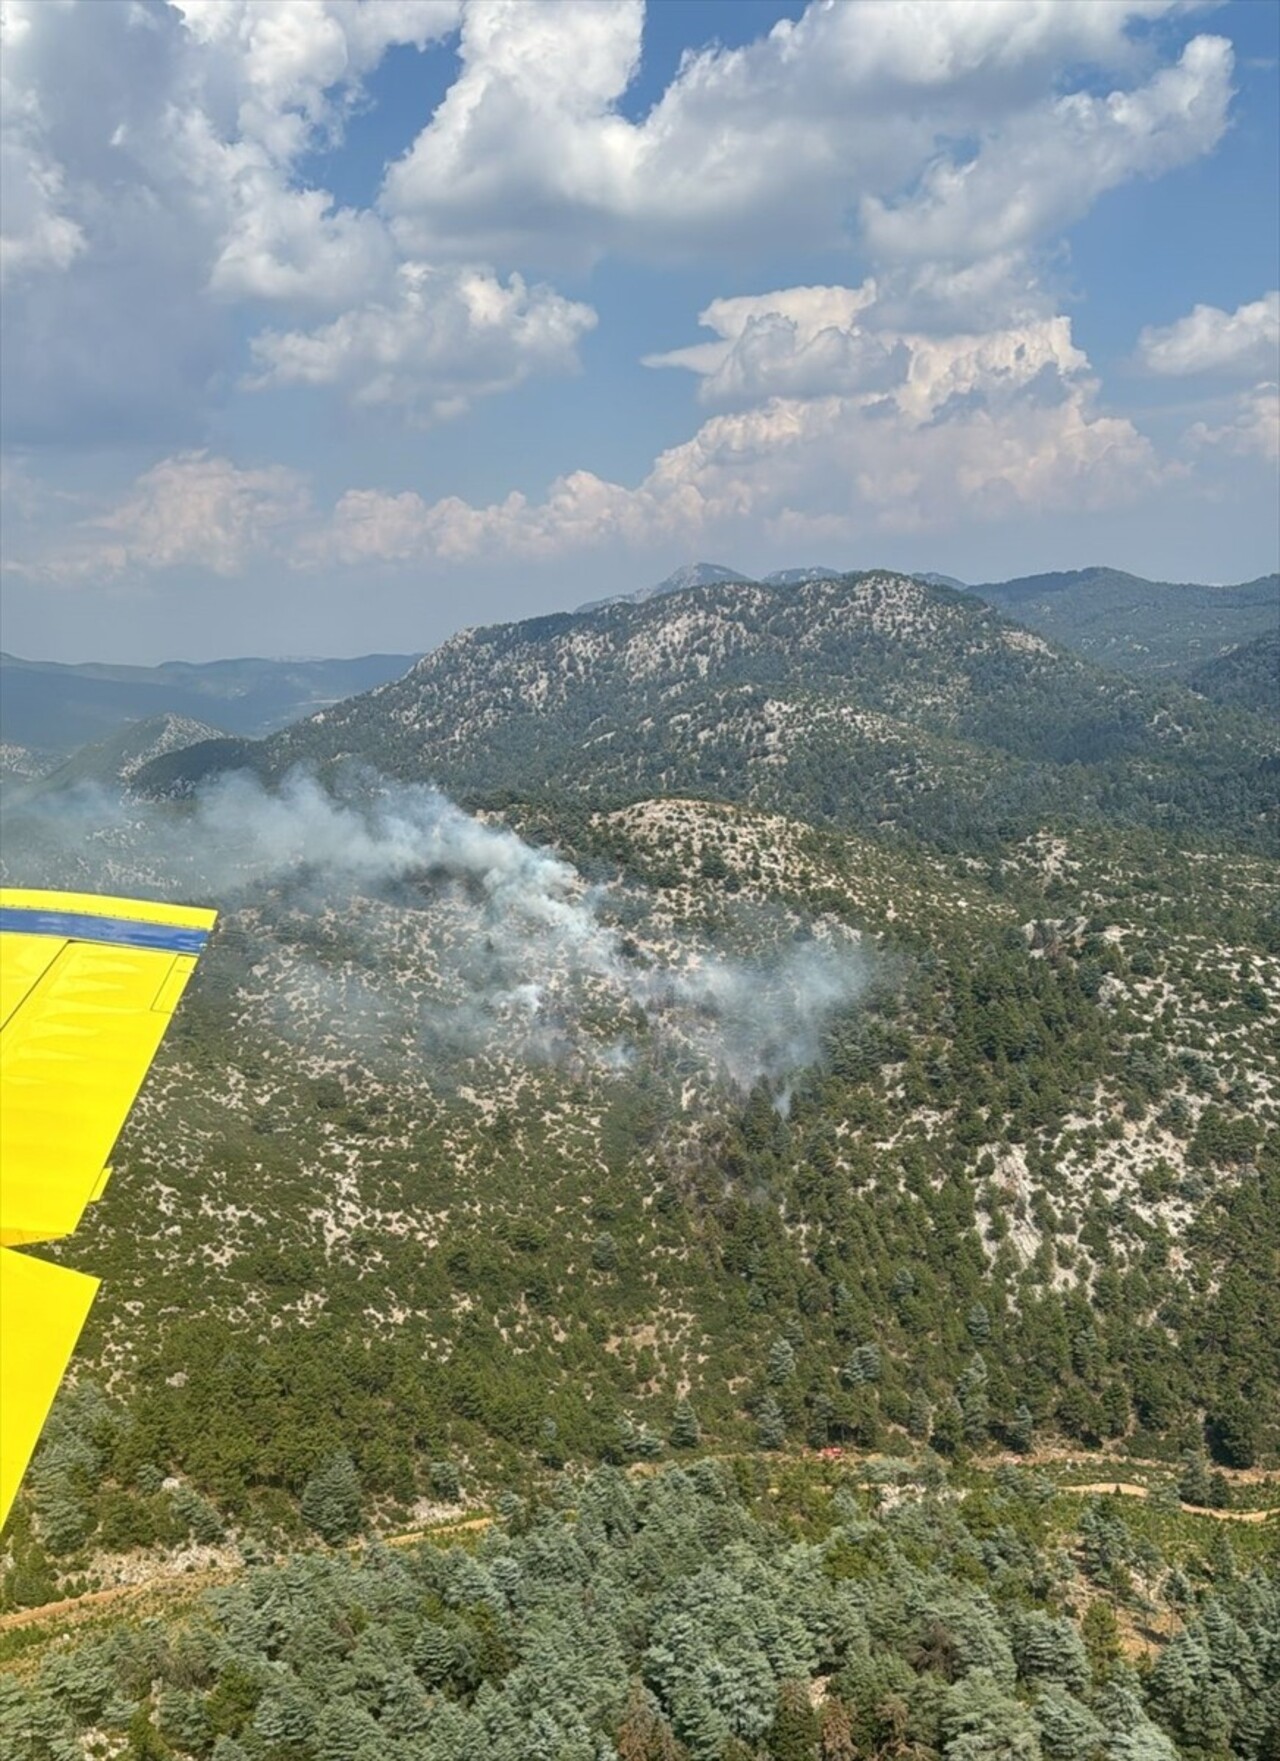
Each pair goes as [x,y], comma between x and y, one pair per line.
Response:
[694,1617]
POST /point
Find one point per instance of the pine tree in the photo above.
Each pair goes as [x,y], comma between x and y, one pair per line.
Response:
[65,1520]
[822,1413]
[331,1502]
[284,1717]
[406,1710]
[902,1287]
[198,1514]
[145,1742]
[1022,1430]
[835,1741]
[782,1362]
[971,1391]
[604,1253]
[80,1680]
[1222,1559]
[644,1734]
[686,1432]
[1193,1480]
[1100,1631]
[1177,1589]
[1068,1730]
[182,1719]
[771,1429]
[975,1418]
[1219,1491]
[1050,1650]
[646,1443]
[1131,1734]
[433,1655]
[863,1365]
[981,1722]
[550,1452]
[342,1728]
[443,1477]
[794,1733]
[948,1427]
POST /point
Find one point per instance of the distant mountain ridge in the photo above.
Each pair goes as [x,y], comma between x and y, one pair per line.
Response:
[1135,625]
[1117,619]
[118,758]
[56,707]
[691,575]
[716,575]
[866,700]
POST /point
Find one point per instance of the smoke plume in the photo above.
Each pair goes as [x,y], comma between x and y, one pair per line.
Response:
[385,915]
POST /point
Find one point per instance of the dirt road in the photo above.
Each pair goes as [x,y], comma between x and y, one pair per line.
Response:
[1127,1489]
[189,1583]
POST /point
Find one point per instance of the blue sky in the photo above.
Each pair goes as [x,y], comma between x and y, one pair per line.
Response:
[334,325]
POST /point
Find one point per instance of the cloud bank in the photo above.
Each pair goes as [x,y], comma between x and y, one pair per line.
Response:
[186,294]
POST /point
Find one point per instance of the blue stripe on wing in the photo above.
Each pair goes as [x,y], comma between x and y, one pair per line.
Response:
[124,932]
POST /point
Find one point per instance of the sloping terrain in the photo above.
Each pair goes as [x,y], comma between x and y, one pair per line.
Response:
[414,1177]
[815,1038]
[1247,677]
[679,581]
[47,704]
[21,764]
[117,759]
[871,701]
[1141,627]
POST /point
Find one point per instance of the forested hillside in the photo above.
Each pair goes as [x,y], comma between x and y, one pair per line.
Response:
[1247,677]
[1140,627]
[837,1020]
[114,761]
[715,1612]
[868,701]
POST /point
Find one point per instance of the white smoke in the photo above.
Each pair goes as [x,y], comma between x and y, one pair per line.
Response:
[443,932]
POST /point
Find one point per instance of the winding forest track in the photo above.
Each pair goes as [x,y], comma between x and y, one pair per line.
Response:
[74,1609]
[1128,1489]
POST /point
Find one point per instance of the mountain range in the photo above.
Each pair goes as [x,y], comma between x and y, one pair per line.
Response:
[863,698]
[48,709]
[1109,616]
[1147,627]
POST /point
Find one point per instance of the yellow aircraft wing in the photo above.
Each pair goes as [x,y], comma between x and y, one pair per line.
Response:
[87,986]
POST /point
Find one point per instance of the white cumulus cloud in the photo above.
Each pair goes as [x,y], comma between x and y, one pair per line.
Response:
[973,427]
[1254,426]
[445,336]
[193,511]
[800,341]
[1209,340]
[154,192]
[530,156]
[1046,167]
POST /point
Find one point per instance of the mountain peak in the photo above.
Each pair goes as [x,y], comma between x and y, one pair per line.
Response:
[691,575]
[800,577]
